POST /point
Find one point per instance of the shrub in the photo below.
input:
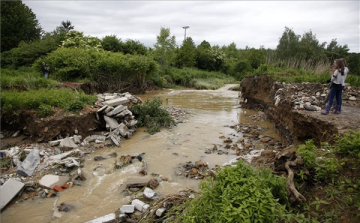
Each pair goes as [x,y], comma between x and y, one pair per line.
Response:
[240,194]
[152,116]
[307,152]
[348,144]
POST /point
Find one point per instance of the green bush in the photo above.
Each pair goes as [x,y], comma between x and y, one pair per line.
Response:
[348,144]
[307,152]
[152,116]
[240,194]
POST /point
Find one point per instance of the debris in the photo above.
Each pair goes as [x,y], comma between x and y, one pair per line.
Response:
[65,207]
[160,212]
[68,143]
[105,218]
[27,167]
[116,101]
[139,205]
[127,209]
[9,190]
[149,193]
[49,181]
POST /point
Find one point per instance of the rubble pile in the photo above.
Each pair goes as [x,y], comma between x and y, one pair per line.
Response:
[199,170]
[309,97]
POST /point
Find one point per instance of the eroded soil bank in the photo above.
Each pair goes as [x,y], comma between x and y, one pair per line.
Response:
[286,105]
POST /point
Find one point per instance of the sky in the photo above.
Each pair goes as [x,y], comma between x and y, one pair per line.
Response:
[246,23]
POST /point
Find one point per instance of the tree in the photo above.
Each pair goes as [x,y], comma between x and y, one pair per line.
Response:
[75,39]
[186,54]
[133,47]
[164,48]
[333,50]
[67,25]
[111,43]
[288,46]
[18,23]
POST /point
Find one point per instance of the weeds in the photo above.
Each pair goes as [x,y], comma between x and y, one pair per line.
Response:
[152,116]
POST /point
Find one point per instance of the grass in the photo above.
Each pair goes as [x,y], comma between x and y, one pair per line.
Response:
[198,79]
[24,79]
[43,100]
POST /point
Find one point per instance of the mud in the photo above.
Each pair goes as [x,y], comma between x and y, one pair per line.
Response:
[282,104]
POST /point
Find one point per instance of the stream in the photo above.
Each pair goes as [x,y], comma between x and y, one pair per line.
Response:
[211,113]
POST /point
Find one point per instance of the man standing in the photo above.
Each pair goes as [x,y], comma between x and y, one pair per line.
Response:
[45,69]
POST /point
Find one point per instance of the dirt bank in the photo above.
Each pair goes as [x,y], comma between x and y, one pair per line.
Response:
[285,104]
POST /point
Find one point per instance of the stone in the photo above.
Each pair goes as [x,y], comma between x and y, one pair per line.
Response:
[160,212]
[55,142]
[27,167]
[68,143]
[77,139]
[16,134]
[49,181]
[309,107]
[153,183]
[110,97]
[136,182]
[9,190]
[323,95]
[149,193]
[65,207]
[123,114]
[127,209]
[113,124]
[116,101]
[352,98]
[115,139]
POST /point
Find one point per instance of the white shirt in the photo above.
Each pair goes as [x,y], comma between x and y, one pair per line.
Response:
[337,77]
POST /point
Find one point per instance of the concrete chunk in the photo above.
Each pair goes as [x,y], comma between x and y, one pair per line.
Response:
[138,204]
[117,110]
[123,130]
[105,218]
[113,124]
[102,109]
[148,193]
[68,143]
[127,209]
[160,212]
[9,190]
[116,101]
[50,181]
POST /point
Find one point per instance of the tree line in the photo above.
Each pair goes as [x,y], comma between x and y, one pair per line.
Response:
[23,42]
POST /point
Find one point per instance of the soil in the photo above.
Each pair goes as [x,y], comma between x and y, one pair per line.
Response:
[294,123]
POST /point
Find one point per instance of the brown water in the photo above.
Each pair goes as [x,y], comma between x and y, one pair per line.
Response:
[211,114]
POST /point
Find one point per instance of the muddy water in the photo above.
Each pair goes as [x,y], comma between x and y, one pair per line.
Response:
[211,114]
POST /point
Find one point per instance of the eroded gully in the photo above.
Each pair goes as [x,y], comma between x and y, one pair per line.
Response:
[210,115]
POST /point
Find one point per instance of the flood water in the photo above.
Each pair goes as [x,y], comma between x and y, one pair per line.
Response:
[211,112]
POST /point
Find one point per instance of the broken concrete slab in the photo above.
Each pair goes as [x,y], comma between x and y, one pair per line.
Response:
[113,123]
[116,101]
[116,139]
[27,167]
[105,218]
[50,180]
[127,209]
[123,114]
[123,130]
[68,143]
[110,97]
[77,139]
[55,142]
[9,190]
[139,205]
[117,110]
[137,182]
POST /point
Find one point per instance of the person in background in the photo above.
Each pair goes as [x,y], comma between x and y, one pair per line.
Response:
[346,72]
[336,87]
[45,69]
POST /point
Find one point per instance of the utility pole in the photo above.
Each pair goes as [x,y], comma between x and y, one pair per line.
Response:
[185,27]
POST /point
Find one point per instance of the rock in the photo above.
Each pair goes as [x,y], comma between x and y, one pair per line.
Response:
[309,107]
[55,142]
[149,193]
[136,182]
[99,158]
[9,190]
[49,181]
[27,167]
[127,209]
[77,139]
[323,95]
[241,140]
[115,139]
[247,145]
[153,184]
[65,207]
[228,140]
[113,124]
[265,139]
[116,101]
[160,212]
[16,134]
[352,98]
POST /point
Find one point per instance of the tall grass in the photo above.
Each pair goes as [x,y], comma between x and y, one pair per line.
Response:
[24,79]
[195,78]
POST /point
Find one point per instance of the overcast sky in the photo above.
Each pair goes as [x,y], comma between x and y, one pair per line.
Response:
[246,23]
